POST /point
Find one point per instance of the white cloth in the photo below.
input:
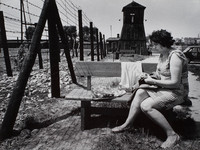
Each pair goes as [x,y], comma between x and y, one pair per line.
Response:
[130,72]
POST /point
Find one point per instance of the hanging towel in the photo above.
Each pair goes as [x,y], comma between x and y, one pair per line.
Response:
[130,72]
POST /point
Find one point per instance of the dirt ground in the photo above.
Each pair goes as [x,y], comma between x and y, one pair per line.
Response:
[46,123]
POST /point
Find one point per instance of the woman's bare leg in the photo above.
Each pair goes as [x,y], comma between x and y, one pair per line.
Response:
[149,107]
[134,110]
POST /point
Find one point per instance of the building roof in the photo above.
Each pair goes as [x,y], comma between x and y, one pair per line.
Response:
[112,39]
[132,5]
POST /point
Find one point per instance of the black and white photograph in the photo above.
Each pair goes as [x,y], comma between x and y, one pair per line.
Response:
[99,74]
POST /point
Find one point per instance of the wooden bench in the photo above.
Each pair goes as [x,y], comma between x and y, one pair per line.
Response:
[99,69]
[129,52]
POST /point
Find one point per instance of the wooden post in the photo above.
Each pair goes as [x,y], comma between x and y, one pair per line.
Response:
[19,88]
[5,45]
[39,54]
[76,46]
[54,51]
[65,44]
[85,114]
[21,18]
[80,34]
[104,46]
[92,41]
[97,36]
[40,58]
[101,46]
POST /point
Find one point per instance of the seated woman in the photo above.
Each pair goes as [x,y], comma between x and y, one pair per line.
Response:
[172,80]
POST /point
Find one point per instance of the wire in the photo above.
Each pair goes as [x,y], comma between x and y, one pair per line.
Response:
[9,6]
[12,31]
[13,19]
[67,9]
[34,5]
[10,14]
[71,14]
[28,10]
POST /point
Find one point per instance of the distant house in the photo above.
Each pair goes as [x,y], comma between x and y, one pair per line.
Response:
[191,41]
[113,43]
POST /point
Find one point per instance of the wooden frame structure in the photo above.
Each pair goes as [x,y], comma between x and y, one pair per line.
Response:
[50,13]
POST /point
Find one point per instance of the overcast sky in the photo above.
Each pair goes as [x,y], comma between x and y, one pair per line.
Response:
[180,17]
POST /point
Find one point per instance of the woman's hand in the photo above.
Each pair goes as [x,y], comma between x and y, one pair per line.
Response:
[150,80]
[143,76]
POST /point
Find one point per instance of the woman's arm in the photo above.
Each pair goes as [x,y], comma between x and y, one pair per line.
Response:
[175,69]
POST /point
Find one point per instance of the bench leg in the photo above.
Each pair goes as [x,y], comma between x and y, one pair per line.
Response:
[85,114]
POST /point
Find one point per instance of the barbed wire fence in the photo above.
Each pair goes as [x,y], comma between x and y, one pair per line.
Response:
[53,16]
[19,15]
[67,9]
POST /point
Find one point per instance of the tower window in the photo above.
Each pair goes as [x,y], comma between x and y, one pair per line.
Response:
[132,17]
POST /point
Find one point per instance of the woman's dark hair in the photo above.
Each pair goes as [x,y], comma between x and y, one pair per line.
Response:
[162,37]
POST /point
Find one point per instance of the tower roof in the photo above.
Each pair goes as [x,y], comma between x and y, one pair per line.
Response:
[132,5]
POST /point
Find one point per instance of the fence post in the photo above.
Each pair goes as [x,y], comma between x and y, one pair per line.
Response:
[101,46]
[80,34]
[97,36]
[92,41]
[104,46]
[65,44]
[40,57]
[54,51]
[19,88]
[5,45]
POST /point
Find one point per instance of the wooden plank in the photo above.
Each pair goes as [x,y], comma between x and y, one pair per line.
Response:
[80,94]
[99,69]
[107,69]
[127,51]
[86,95]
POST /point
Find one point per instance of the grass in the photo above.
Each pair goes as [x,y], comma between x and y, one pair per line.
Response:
[140,140]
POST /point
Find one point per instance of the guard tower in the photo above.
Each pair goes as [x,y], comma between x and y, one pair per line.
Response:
[133,37]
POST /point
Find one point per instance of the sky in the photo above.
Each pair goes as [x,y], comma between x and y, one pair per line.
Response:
[180,17]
